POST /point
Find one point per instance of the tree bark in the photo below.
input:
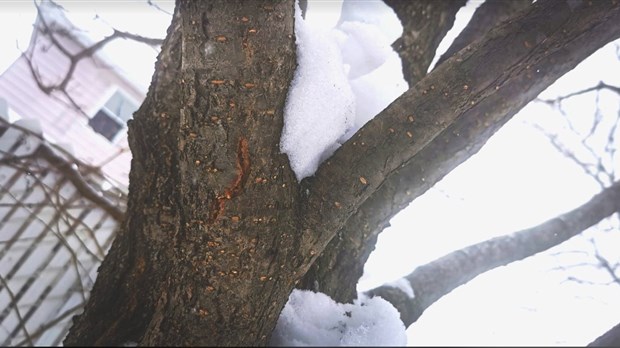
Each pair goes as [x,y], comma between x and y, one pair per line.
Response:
[432,281]
[218,231]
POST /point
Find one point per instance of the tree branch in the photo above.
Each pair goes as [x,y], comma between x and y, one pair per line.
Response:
[586,155]
[80,184]
[69,172]
[341,264]
[151,3]
[75,58]
[490,14]
[526,54]
[601,85]
[432,281]
[425,23]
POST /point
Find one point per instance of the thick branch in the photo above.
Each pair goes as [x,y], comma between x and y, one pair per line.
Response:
[432,281]
[339,267]
[485,84]
[341,264]
[487,16]
[425,23]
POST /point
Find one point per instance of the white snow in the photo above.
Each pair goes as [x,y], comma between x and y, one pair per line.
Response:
[372,12]
[345,76]
[364,47]
[403,285]
[320,103]
[347,72]
[314,319]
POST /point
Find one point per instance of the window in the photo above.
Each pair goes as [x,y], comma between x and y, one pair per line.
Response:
[111,119]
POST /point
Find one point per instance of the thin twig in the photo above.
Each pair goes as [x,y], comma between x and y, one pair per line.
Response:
[20,320]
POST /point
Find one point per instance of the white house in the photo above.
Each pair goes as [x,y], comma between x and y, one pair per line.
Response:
[96,130]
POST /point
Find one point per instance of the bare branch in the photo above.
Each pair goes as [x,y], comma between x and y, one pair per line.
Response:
[74,59]
[70,173]
[437,278]
[151,3]
[604,263]
[20,319]
[590,169]
[601,85]
[82,186]
[51,324]
[138,38]
[595,164]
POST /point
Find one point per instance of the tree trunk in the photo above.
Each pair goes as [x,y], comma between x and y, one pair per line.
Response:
[208,253]
[217,230]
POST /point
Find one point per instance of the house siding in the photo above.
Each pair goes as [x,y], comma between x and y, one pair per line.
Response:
[92,83]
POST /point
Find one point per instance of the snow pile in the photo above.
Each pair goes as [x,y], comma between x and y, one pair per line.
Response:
[320,105]
[315,319]
[345,76]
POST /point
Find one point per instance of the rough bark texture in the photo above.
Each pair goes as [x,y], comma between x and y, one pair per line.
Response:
[334,270]
[206,255]
[432,281]
[218,231]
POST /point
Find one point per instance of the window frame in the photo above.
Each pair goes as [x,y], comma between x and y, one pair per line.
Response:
[113,117]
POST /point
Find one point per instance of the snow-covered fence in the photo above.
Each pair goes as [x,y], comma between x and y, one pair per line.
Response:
[57,221]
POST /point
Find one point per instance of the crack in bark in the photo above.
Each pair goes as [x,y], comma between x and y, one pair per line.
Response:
[243,166]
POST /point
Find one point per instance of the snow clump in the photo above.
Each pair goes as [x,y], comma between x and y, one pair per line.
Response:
[314,319]
[346,74]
